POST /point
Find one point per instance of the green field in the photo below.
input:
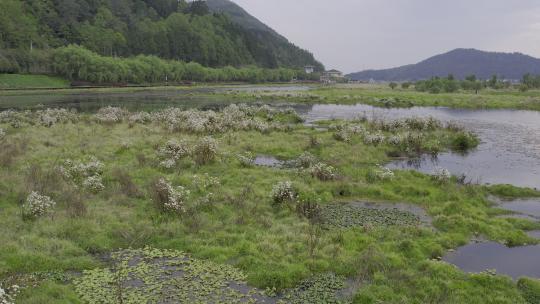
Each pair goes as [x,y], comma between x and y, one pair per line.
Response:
[115,179]
[18,81]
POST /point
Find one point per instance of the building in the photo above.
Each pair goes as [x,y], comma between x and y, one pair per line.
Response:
[332,76]
[309,69]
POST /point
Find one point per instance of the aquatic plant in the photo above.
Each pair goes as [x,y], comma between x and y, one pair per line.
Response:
[165,276]
[350,215]
[169,198]
[321,288]
[464,141]
[205,151]
[283,193]
[36,205]
[323,172]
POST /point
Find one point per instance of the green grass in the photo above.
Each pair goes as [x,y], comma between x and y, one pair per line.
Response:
[383,96]
[238,225]
[18,81]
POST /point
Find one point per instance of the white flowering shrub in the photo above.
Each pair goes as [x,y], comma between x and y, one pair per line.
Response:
[342,135]
[8,295]
[205,150]
[246,159]
[110,115]
[323,172]
[374,139]
[205,182]
[283,192]
[172,152]
[93,184]
[305,160]
[395,140]
[381,173]
[37,205]
[140,118]
[442,175]
[169,198]
[2,134]
[86,175]
[51,117]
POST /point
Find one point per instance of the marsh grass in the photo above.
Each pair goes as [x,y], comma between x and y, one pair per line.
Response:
[275,247]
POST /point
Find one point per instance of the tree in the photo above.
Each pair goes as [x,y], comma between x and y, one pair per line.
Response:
[405,85]
[393,85]
[198,7]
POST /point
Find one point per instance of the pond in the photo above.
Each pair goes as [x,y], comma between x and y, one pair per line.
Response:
[514,262]
[509,152]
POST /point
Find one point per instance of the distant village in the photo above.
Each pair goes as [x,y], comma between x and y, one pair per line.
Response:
[330,77]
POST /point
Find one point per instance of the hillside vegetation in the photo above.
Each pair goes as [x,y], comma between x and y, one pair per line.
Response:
[460,63]
[169,29]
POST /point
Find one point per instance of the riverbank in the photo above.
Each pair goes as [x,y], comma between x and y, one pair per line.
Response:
[232,212]
[382,96]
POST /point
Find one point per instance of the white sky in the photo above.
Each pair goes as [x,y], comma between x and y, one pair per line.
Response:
[353,35]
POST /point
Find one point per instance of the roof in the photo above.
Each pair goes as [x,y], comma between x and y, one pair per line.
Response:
[334,71]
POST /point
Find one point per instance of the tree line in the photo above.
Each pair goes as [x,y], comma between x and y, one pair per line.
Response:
[450,84]
[77,63]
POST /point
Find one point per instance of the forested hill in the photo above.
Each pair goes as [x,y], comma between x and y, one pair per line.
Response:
[170,29]
[460,63]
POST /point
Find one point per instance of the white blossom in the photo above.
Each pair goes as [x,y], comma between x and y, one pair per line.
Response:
[37,205]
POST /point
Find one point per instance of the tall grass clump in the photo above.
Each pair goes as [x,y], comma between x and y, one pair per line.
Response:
[464,141]
[205,151]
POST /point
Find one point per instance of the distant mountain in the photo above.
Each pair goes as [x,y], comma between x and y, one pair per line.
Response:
[460,63]
[269,46]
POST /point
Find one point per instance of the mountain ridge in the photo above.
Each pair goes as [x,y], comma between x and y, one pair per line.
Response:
[459,62]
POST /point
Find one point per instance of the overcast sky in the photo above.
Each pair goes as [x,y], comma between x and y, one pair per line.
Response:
[354,35]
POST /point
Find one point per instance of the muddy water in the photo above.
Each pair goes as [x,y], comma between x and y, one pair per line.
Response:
[514,262]
[509,152]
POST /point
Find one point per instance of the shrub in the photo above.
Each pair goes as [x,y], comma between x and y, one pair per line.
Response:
[127,186]
[8,295]
[205,151]
[110,115]
[169,198]
[342,135]
[93,184]
[37,205]
[2,133]
[323,172]
[283,193]
[373,139]
[172,152]
[306,160]
[246,159]
[442,175]
[381,173]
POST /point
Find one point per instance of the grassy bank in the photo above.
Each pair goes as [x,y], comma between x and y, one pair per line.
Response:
[379,95]
[120,190]
[20,81]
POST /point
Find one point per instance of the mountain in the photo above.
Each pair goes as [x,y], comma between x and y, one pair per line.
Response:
[216,33]
[460,63]
[283,52]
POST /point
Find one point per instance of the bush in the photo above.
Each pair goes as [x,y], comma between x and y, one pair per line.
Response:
[306,160]
[172,152]
[309,209]
[37,205]
[205,151]
[2,133]
[283,193]
[442,175]
[168,198]
[85,175]
[110,115]
[323,172]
